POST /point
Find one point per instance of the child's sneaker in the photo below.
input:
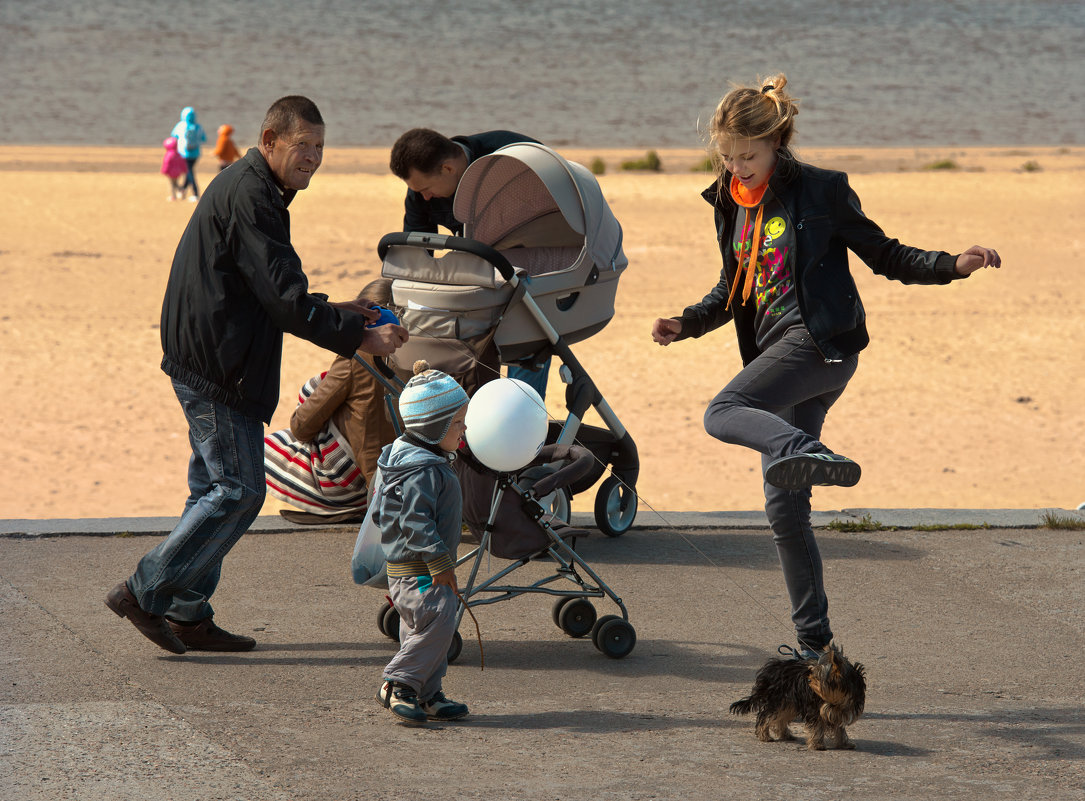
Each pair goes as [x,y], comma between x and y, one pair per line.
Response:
[802,470]
[440,708]
[402,701]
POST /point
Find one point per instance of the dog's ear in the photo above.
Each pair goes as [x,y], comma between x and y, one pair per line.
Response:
[829,659]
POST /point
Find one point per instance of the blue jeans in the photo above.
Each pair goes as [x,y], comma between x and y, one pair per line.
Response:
[777,406]
[536,379]
[226,491]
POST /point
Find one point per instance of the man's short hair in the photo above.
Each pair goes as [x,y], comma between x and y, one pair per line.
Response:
[287,111]
[421,149]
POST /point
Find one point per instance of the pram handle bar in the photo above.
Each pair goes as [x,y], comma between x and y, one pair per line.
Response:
[416,239]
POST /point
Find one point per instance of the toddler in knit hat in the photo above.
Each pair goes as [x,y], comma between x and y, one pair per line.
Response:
[429,403]
[418,508]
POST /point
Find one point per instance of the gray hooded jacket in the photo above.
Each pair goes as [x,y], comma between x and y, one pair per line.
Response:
[418,509]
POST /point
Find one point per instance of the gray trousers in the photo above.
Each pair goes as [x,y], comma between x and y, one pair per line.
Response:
[777,406]
[427,623]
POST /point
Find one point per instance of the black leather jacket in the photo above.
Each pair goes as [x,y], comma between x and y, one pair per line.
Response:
[825,215]
[425,215]
[235,286]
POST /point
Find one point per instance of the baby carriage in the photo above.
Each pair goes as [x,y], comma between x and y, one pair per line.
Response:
[518,517]
[536,271]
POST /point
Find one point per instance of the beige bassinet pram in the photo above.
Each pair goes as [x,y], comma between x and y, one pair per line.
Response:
[536,270]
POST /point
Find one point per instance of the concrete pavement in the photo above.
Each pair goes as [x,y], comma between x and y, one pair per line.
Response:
[970,637]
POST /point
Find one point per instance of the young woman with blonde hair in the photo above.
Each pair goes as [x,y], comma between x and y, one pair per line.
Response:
[784,229]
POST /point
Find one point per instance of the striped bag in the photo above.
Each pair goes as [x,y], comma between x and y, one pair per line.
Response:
[319,477]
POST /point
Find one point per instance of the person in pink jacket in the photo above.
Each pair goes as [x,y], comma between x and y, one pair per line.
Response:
[174,168]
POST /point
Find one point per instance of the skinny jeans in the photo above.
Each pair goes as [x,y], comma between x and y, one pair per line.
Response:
[777,405]
[226,490]
[190,177]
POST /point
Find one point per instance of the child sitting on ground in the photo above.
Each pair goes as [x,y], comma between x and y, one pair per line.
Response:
[418,510]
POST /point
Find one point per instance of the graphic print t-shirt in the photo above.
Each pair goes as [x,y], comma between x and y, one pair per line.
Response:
[774,287]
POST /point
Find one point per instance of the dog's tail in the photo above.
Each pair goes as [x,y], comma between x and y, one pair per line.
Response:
[743,707]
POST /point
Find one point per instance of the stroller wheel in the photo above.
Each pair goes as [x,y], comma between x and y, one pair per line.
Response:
[380,619]
[559,604]
[614,637]
[455,647]
[615,507]
[559,504]
[577,617]
[390,626]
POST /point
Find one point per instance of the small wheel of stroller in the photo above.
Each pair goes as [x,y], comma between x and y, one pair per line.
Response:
[615,507]
[559,604]
[391,623]
[615,638]
[455,647]
[598,624]
[381,612]
[577,617]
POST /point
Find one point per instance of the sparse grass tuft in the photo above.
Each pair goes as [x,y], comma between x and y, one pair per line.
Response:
[650,162]
[597,166]
[944,164]
[952,527]
[704,165]
[1055,520]
[864,523]
[1031,166]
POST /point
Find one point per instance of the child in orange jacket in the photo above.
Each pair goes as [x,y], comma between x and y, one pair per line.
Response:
[225,148]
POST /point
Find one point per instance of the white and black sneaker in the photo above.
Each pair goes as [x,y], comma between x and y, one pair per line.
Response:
[801,470]
[440,708]
[402,701]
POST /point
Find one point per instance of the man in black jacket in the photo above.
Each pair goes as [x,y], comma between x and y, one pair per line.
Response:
[432,165]
[235,286]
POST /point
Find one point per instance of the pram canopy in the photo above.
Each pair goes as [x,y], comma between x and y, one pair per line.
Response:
[549,219]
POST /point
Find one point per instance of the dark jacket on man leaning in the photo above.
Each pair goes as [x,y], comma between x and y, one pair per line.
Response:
[235,286]
[825,215]
[425,215]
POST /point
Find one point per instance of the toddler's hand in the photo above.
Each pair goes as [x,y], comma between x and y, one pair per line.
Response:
[448,578]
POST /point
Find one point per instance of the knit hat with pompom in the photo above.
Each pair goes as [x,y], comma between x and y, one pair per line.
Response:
[428,403]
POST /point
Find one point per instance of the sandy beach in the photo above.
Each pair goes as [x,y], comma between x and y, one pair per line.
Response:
[969,395]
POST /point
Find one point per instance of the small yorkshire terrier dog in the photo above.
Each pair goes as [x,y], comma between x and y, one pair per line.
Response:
[828,693]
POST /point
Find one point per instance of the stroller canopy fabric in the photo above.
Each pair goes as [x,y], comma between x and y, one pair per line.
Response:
[525,188]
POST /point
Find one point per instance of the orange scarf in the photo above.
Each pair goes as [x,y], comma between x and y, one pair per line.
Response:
[748,199]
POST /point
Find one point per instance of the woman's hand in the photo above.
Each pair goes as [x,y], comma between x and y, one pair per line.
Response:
[976,257]
[665,330]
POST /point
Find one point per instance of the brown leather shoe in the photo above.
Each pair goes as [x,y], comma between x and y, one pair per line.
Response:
[154,627]
[204,635]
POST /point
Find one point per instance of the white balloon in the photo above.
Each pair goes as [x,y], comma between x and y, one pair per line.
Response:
[506,424]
